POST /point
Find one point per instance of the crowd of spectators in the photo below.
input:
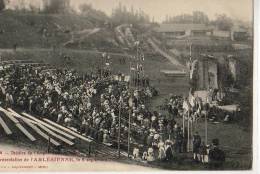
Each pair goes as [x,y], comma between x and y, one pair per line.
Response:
[93,104]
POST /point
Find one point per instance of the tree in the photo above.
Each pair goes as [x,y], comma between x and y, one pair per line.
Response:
[56,6]
[85,9]
[122,15]
[200,18]
[2,5]
[223,22]
[197,17]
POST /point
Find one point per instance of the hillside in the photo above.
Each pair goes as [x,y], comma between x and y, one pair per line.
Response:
[39,30]
[29,30]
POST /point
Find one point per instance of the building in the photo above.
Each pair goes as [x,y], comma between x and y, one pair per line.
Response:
[239,34]
[220,34]
[182,30]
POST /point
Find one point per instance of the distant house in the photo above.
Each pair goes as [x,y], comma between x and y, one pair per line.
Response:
[182,30]
[239,34]
[220,34]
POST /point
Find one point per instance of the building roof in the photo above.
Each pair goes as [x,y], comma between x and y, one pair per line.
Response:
[238,29]
[182,27]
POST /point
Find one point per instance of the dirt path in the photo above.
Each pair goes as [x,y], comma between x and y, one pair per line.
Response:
[172,59]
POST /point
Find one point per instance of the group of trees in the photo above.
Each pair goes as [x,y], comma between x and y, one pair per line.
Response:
[122,15]
[49,6]
[222,21]
[196,17]
[56,6]
[88,11]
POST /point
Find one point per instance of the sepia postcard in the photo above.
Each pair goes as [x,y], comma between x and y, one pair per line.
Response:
[126,85]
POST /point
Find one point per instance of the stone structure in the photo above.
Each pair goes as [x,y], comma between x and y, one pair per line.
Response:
[204,73]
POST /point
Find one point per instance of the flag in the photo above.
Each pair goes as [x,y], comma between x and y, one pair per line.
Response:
[127,78]
[142,57]
[104,54]
[121,100]
[137,43]
[186,105]
[130,102]
[116,78]
[132,69]
[192,101]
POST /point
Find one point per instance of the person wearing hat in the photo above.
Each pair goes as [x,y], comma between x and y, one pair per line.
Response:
[150,156]
[150,138]
[156,140]
[136,153]
[196,146]
[179,141]
[144,156]
[203,152]
[168,151]
[216,155]
[161,147]
[100,135]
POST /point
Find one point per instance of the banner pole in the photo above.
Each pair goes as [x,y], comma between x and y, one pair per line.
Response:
[188,131]
[119,130]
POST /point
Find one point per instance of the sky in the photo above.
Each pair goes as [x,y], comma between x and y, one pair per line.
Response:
[238,9]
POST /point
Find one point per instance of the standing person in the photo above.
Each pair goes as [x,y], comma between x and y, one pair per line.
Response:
[161,155]
[136,153]
[216,155]
[179,141]
[150,156]
[203,152]
[196,146]
[185,140]
[168,151]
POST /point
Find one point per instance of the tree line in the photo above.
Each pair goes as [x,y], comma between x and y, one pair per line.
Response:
[222,21]
[121,14]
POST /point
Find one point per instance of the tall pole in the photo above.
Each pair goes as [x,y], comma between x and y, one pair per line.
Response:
[130,74]
[191,130]
[129,133]
[189,110]
[119,130]
[188,131]
[183,125]
[101,67]
[130,103]
[137,65]
[206,128]
[190,52]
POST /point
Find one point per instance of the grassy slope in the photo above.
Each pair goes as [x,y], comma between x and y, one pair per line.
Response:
[26,29]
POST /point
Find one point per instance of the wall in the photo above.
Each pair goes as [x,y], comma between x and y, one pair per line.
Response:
[207,74]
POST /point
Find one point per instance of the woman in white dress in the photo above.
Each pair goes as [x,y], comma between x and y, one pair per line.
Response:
[161,147]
